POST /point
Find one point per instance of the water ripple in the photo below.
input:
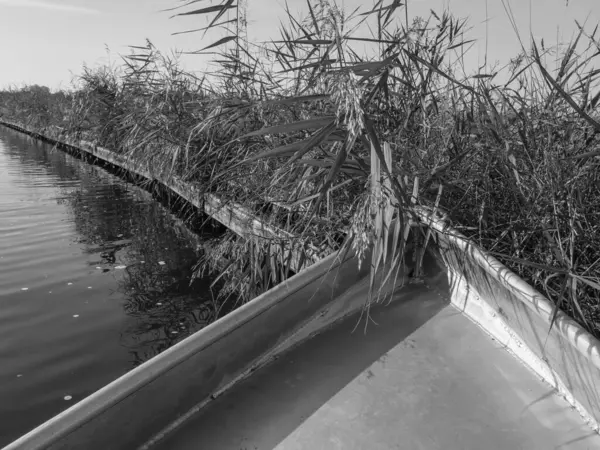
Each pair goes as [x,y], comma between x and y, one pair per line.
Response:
[83,297]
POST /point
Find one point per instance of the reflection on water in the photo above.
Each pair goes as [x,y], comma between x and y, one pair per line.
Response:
[150,256]
[94,280]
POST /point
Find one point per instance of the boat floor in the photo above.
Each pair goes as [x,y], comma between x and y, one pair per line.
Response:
[423,377]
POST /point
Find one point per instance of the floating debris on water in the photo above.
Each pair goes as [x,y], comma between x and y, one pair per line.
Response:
[24,289]
[19,375]
[69,284]
[162,263]
[159,304]
[76,315]
[120,267]
[68,397]
[89,287]
[99,268]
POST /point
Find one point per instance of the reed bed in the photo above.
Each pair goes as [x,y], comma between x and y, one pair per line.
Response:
[337,146]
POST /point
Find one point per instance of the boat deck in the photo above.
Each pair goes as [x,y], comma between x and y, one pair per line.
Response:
[423,377]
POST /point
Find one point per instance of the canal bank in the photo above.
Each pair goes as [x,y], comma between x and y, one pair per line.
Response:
[233,216]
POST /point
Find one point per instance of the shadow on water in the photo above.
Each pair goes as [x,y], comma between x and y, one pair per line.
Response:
[130,261]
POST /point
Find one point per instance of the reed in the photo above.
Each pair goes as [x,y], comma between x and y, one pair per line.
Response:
[342,144]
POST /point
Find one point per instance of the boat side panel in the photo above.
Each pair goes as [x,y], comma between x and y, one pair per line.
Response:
[516,314]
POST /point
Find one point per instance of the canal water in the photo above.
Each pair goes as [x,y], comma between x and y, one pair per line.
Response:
[94,280]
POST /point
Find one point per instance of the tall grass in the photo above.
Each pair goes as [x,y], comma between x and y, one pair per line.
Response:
[341,145]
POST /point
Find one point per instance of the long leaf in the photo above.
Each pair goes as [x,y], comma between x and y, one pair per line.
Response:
[220,42]
[204,28]
[316,139]
[224,8]
[312,42]
[181,6]
[309,124]
[460,44]
[587,281]
[339,161]
[207,10]
[277,152]
[393,6]
[297,99]
[315,64]
[585,155]
[312,15]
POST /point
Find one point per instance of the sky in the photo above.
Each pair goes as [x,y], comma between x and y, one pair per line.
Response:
[46,42]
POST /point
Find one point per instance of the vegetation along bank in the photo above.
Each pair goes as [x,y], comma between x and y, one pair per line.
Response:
[331,144]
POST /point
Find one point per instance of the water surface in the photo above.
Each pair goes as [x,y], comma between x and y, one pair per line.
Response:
[94,280]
